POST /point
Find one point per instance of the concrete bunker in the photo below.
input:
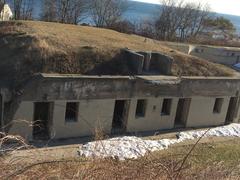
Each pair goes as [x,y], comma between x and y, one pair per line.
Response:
[223,55]
[66,106]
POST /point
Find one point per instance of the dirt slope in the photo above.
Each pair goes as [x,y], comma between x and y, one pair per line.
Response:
[28,47]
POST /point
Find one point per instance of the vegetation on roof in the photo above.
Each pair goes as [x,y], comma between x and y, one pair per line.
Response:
[28,47]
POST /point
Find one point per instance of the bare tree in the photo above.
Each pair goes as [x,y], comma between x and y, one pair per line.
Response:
[23,9]
[77,11]
[180,20]
[106,13]
[71,11]
[146,28]
[49,10]
[63,11]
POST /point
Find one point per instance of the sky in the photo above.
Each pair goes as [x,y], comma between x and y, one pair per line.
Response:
[221,6]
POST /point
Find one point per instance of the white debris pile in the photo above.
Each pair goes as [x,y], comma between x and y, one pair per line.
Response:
[133,147]
[232,130]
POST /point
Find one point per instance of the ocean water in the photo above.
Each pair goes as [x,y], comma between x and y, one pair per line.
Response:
[138,11]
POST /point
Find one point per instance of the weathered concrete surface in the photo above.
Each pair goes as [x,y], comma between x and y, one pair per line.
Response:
[147,60]
[201,112]
[93,115]
[48,87]
[22,120]
[221,55]
[153,120]
[96,96]
[135,60]
[161,63]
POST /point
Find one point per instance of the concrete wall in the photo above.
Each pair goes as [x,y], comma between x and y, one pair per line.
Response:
[217,55]
[161,63]
[92,114]
[97,95]
[21,124]
[147,60]
[135,60]
[153,119]
[222,55]
[201,112]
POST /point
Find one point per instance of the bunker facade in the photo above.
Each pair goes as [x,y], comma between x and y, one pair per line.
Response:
[222,55]
[65,106]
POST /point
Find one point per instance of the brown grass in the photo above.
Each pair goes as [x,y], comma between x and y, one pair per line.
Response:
[211,160]
[28,47]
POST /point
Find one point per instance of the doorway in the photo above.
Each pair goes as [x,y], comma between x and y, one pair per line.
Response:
[182,112]
[232,110]
[120,116]
[42,120]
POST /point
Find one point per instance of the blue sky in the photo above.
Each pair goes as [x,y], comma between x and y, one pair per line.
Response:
[220,6]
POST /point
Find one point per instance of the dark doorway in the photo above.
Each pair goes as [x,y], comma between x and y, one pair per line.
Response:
[232,110]
[41,120]
[182,112]
[120,116]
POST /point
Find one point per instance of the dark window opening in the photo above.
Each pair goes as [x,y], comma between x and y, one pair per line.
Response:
[71,114]
[233,54]
[218,105]
[141,108]
[197,50]
[166,107]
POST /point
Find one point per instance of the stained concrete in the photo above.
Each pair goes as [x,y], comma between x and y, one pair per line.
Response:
[221,55]
[22,120]
[93,114]
[153,120]
[96,96]
[201,112]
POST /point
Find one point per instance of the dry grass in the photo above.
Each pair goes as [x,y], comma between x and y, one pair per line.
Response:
[28,47]
[210,160]
[213,158]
